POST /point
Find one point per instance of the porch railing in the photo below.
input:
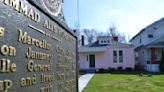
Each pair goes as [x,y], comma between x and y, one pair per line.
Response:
[155,62]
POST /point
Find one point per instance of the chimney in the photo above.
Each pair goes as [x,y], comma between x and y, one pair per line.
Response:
[115,38]
[82,40]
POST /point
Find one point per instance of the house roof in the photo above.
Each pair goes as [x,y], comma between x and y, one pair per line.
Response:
[159,44]
[117,44]
[162,19]
[96,47]
[104,37]
[96,44]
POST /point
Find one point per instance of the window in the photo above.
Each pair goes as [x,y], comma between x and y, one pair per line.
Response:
[150,35]
[108,41]
[120,53]
[87,57]
[120,56]
[115,56]
[140,40]
[104,41]
[101,42]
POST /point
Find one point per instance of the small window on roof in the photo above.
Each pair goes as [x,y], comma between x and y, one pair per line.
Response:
[150,35]
[104,41]
[101,41]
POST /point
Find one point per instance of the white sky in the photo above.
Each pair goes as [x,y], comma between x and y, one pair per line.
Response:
[129,16]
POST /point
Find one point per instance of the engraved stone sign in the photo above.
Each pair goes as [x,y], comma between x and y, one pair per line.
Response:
[50,6]
[37,49]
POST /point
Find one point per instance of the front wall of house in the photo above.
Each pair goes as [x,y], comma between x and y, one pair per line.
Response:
[128,58]
[102,60]
[105,59]
[83,62]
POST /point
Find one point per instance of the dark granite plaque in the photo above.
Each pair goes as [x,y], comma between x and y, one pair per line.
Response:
[37,49]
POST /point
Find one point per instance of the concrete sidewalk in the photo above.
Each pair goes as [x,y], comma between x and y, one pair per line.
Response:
[83,81]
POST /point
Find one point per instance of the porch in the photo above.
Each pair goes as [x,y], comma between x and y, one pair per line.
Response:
[89,57]
[154,54]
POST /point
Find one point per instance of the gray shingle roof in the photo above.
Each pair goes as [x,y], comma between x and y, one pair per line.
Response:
[96,44]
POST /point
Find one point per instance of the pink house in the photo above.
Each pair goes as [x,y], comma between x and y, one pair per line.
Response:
[106,53]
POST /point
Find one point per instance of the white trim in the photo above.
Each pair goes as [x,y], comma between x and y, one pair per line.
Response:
[92,49]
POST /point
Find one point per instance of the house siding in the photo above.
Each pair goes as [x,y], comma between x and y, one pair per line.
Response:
[83,63]
[144,49]
[128,58]
[105,59]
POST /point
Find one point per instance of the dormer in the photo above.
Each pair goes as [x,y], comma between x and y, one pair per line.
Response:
[104,39]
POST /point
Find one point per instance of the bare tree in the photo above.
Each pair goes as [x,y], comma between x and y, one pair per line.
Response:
[112,31]
[122,38]
[128,38]
[90,35]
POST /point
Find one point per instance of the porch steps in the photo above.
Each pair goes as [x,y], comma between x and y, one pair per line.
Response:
[90,70]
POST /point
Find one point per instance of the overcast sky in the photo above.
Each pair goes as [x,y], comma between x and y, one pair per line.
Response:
[129,16]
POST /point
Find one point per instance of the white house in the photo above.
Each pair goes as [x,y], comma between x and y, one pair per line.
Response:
[149,43]
[106,53]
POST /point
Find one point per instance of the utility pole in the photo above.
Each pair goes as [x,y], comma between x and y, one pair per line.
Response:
[78,17]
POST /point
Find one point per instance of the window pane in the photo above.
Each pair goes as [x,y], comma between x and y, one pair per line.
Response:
[120,53]
[150,35]
[121,59]
[115,56]
[120,56]
[114,53]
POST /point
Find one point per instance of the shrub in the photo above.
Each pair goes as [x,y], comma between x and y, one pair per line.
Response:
[101,70]
[97,70]
[120,68]
[112,69]
[129,69]
[109,69]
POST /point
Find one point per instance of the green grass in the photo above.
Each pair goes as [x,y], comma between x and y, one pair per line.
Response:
[125,82]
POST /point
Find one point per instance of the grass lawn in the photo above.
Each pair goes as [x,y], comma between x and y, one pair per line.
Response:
[129,82]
